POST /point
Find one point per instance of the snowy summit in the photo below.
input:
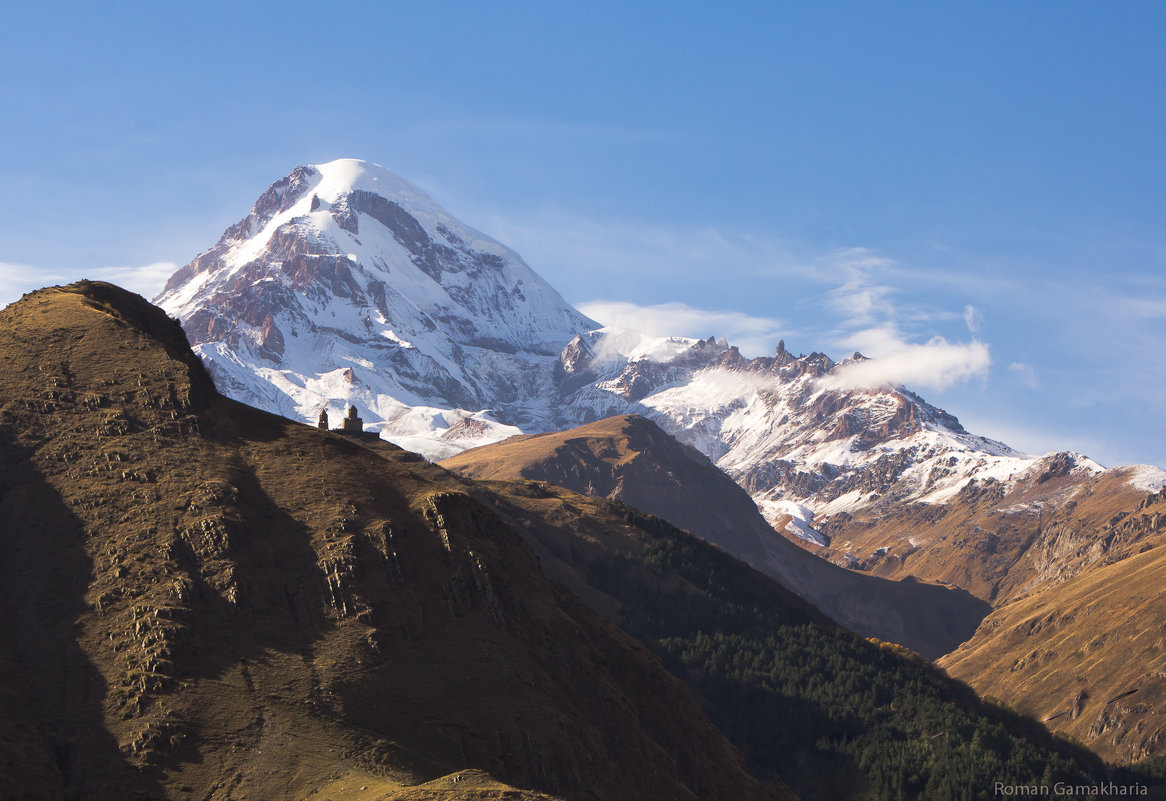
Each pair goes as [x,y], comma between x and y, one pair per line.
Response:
[348,285]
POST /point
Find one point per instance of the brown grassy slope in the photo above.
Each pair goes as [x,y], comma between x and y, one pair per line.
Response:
[203,600]
[1074,649]
[631,459]
[1051,554]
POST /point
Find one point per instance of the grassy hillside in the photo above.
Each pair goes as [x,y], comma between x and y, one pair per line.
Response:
[1070,560]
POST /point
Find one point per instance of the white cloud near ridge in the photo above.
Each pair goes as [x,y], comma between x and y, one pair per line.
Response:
[936,364]
[16,279]
[870,323]
[753,335]
[866,297]
[146,280]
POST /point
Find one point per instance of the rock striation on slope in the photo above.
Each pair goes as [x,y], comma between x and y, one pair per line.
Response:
[201,599]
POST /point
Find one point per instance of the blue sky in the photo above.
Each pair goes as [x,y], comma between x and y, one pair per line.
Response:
[975,189]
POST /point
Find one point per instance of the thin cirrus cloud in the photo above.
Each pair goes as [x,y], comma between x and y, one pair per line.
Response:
[147,280]
[1025,373]
[575,253]
[753,335]
[1143,307]
[16,279]
[973,318]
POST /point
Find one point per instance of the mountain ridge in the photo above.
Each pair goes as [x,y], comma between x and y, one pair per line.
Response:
[329,291]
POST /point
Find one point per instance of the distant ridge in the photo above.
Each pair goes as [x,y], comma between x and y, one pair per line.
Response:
[347,285]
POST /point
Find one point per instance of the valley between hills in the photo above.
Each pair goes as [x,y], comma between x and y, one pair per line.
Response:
[562,561]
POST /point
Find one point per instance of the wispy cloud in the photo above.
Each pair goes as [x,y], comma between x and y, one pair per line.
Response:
[869,288]
[867,318]
[147,280]
[1026,373]
[1142,307]
[973,319]
[866,301]
[872,322]
[576,253]
[753,335]
[16,279]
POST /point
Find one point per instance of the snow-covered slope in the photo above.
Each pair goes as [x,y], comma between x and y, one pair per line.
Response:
[347,285]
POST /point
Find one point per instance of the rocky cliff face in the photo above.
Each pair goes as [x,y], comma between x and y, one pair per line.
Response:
[778,425]
[203,598]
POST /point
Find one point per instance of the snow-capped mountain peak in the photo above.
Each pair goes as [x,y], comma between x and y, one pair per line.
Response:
[347,284]
[349,220]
